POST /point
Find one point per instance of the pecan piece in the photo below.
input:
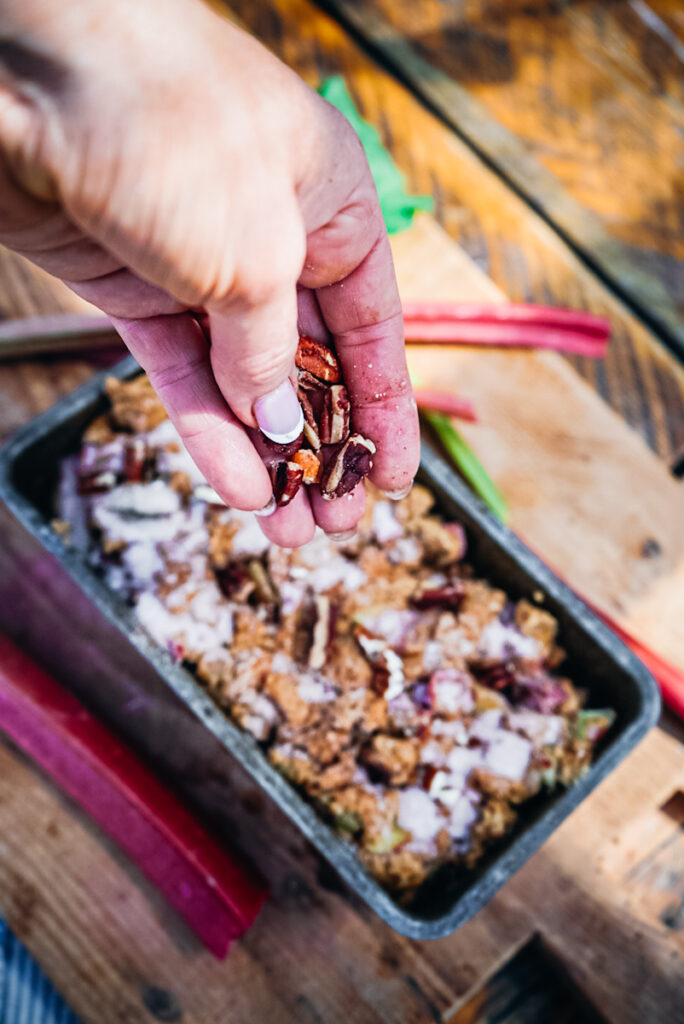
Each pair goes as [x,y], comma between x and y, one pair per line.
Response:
[287,477]
[391,759]
[310,463]
[312,633]
[335,415]
[307,381]
[352,463]
[310,424]
[265,591]
[316,358]
[234,581]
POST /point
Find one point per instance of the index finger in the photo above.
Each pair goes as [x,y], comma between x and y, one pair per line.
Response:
[363,314]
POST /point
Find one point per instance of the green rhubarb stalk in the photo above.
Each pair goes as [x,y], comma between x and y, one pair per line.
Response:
[468,463]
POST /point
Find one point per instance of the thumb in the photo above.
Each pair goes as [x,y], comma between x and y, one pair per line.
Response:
[253,349]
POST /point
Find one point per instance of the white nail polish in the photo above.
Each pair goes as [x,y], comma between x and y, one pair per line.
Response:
[203,492]
[267,510]
[279,414]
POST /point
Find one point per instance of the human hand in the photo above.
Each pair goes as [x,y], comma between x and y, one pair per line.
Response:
[162,162]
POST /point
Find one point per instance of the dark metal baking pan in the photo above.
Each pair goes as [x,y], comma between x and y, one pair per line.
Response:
[54,604]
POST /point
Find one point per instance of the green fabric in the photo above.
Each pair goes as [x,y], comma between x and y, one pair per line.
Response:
[397,206]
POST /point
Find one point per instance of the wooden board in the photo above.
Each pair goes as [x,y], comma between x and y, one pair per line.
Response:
[599,893]
[504,236]
[579,105]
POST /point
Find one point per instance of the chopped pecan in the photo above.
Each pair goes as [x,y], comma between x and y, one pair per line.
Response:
[335,415]
[234,581]
[390,759]
[310,425]
[135,406]
[352,463]
[321,633]
[442,545]
[449,597]
[265,591]
[310,463]
[287,478]
[312,635]
[307,381]
[316,358]
[180,483]
[273,452]
[537,623]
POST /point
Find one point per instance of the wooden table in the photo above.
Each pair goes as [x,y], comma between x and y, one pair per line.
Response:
[593,927]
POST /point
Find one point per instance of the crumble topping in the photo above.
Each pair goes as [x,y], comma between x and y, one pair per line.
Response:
[414,704]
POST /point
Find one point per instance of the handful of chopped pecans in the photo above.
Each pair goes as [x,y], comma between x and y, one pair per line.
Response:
[327,452]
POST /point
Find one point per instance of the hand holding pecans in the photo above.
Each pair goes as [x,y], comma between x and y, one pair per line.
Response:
[213,260]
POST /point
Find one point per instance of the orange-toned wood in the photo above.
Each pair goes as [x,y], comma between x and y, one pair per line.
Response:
[579,104]
[600,893]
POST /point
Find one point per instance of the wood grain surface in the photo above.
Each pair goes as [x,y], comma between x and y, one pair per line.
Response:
[522,254]
[602,893]
[579,105]
[605,894]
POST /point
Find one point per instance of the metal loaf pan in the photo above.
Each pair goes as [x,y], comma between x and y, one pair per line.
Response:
[53,604]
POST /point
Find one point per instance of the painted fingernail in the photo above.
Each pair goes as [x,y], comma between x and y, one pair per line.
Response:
[267,510]
[203,492]
[342,536]
[279,414]
[398,495]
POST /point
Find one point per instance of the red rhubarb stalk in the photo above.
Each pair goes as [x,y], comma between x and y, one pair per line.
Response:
[503,335]
[217,897]
[507,313]
[431,399]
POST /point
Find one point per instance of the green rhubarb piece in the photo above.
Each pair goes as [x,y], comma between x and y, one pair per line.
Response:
[347,821]
[467,462]
[388,841]
[592,725]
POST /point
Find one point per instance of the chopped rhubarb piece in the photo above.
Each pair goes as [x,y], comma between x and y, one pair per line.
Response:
[449,597]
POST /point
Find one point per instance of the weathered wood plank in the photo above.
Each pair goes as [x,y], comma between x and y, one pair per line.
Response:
[517,249]
[113,948]
[578,105]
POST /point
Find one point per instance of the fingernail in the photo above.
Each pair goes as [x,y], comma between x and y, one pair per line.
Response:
[268,509]
[398,495]
[203,492]
[342,536]
[279,414]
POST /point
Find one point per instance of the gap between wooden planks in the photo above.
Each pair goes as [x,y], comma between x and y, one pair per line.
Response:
[582,487]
